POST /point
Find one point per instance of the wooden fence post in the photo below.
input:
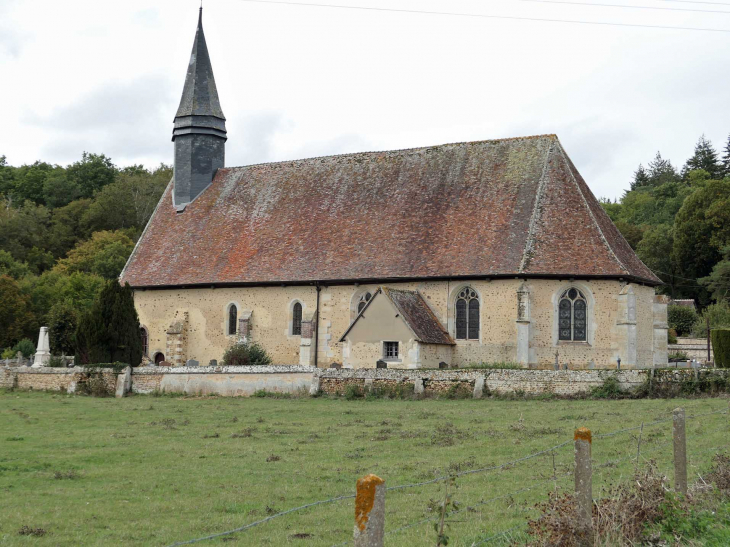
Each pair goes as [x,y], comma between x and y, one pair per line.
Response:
[680,451]
[584,486]
[370,512]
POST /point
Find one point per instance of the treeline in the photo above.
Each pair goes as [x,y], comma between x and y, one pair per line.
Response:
[678,222]
[64,232]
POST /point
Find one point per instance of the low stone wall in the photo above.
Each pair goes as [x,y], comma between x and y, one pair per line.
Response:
[507,381]
[227,381]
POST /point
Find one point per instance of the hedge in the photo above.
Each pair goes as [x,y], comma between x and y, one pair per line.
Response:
[721,346]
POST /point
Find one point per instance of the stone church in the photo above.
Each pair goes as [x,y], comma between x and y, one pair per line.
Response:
[490,251]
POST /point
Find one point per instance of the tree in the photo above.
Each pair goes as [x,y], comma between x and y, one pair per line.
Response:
[11,267]
[705,157]
[16,319]
[29,182]
[62,324]
[66,230]
[110,332]
[718,282]
[702,228]
[661,171]
[655,250]
[59,190]
[632,233]
[129,202]
[105,254]
[641,178]
[22,230]
[91,173]
[7,175]
[726,159]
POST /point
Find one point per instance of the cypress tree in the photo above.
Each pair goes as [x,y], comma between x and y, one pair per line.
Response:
[110,332]
[705,157]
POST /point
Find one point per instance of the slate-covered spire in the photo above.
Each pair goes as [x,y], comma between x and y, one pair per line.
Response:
[200,127]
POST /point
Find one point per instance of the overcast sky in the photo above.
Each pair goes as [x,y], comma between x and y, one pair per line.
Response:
[300,81]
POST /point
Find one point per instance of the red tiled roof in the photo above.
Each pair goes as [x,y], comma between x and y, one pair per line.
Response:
[490,208]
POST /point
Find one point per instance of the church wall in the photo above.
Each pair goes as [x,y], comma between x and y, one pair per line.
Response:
[271,321]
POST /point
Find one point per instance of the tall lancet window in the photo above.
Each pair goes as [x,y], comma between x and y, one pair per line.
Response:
[232,319]
[572,316]
[296,324]
[467,315]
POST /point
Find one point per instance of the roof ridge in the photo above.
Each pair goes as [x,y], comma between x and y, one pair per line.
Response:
[590,212]
[395,151]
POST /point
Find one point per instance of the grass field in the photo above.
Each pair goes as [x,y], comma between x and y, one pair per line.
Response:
[156,470]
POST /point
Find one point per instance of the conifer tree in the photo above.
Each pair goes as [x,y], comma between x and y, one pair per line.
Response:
[661,171]
[110,332]
[705,157]
[641,178]
[726,159]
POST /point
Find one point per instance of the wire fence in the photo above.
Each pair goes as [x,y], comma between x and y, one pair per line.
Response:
[548,470]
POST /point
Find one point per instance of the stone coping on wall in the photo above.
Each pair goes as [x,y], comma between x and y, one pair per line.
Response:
[628,376]
[272,369]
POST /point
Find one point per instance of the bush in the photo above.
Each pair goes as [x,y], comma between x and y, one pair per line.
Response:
[8,353]
[719,315]
[56,362]
[671,336]
[681,319]
[353,391]
[678,356]
[245,354]
[721,347]
[25,346]
[610,389]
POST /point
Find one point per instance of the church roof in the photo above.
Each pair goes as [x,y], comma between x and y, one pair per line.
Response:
[415,313]
[511,207]
[200,95]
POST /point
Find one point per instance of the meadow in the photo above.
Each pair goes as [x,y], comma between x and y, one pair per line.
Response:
[148,470]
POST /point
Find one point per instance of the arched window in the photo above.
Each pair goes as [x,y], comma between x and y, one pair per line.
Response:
[159,358]
[467,315]
[572,316]
[232,319]
[145,341]
[364,299]
[296,323]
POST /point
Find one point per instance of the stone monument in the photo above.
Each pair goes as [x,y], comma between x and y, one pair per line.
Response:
[43,349]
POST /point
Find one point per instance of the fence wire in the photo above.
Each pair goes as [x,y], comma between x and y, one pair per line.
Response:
[457,475]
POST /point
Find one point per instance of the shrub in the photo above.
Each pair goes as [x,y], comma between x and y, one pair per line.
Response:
[62,322]
[610,389]
[353,391]
[679,356]
[8,353]
[681,319]
[93,384]
[245,354]
[56,362]
[719,315]
[25,346]
[721,346]
[671,336]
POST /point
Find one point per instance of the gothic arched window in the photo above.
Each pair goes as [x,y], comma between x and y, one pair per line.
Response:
[467,315]
[572,316]
[296,323]
[364,299]
[232,319]
[145,340]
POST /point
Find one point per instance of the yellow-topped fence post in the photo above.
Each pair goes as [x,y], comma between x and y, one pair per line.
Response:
[370,512]
[584,486]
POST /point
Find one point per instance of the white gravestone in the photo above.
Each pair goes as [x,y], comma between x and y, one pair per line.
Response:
[43,350]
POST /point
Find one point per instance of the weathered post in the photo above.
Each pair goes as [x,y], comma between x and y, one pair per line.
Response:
[584,486]
[370,512]
[680,451]
[709,357]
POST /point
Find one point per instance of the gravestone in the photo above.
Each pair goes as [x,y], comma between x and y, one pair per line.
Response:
[213,363]
[381,364]
[443,364]
[192,363]
[337,366]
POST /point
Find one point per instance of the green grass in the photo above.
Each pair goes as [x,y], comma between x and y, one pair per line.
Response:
[155,470]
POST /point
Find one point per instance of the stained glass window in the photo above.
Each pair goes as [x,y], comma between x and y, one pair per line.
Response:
[572,316]
[232,319]
[296,326]
[467,315]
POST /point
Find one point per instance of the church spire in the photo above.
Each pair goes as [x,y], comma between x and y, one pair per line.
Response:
[200,126]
